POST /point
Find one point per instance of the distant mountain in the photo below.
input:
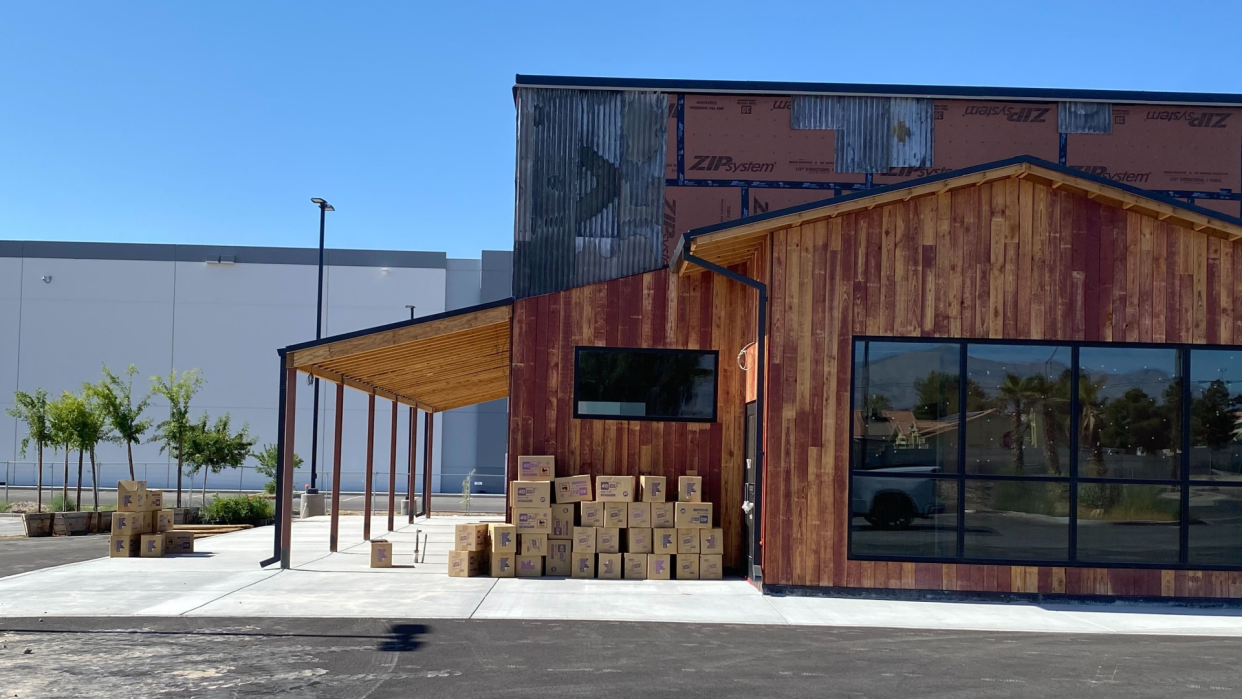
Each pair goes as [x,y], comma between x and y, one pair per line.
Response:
[895,375]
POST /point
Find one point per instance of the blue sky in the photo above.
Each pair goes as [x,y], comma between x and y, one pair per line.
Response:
[181,122]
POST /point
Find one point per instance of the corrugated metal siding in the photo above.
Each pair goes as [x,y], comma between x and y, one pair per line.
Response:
[873,133]
[590,187]
[1085,117]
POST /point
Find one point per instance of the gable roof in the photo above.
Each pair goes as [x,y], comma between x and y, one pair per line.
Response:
[733,242]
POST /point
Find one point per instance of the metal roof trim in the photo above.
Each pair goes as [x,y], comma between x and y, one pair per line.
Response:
[1024,94]
[395,326]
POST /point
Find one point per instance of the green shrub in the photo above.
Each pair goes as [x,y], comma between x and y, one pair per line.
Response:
[270,487]
[59,505]
[5,507]
[243,509]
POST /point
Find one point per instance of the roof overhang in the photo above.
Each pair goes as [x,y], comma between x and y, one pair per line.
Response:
[434,363]
[735,242]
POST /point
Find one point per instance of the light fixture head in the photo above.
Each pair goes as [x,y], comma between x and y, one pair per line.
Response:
[322,203]
[47,279]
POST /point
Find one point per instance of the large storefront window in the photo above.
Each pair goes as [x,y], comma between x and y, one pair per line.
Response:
[1042,452]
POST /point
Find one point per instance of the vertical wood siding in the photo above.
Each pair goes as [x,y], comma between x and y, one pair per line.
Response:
[1011,259]
[658,310]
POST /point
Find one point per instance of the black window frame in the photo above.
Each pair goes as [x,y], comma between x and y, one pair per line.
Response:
[1184,483]
[715,354]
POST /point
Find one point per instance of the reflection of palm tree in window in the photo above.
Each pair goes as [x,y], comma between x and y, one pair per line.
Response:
[1091,408]
[1015,396]
[1050,404]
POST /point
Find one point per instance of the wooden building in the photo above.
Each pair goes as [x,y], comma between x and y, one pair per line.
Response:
[1013,377]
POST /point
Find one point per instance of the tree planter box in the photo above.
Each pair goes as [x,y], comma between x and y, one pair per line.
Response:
[101,523]
[72,523]
[38,524]
[185,515]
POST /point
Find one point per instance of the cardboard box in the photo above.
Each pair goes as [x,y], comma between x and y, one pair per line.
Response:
[572,489]
[536,468]
[163,520]
[559,561]
[663,515]
[381,553]
[639,515]
[125,546]
[529,566]
[711,541]
[584,539]
[687,541]
[532,545]
[638,540]
[634,566]
[653,488]
[664,541]
[131,496]
[503,537]
[590,514]
[469,537]
[530,493]
[504,565]
[711,567]
[533,520]
[143,522]
[690,489]
[609,566]
[126,524]
[463,564]
[659,566]
[616,515]
[607,540]
[693,515]
[614,488]
[583,564]
[152,546]
[155,500]
[687,566]
[178,542]
[562,522]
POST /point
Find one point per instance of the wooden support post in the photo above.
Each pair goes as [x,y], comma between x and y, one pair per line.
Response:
[336,467]
[429,424]
[366,506]
[409,511]
[286,468]
[392,468]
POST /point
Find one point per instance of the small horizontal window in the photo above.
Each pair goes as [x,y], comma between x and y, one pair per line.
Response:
[645,384]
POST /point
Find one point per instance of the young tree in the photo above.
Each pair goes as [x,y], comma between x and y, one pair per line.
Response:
[90,428]
[177,390]
[213,448]
[269,464]
[33,410]
[114,396]
[60,426]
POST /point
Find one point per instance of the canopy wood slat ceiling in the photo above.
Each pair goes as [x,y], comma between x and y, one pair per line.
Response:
[437,363]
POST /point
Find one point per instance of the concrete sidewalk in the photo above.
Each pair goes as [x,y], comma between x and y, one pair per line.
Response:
[223,580]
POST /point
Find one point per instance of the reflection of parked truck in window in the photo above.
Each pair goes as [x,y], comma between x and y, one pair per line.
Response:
[893,503]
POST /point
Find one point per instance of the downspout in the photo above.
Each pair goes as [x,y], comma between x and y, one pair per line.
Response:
[280,471]
[756,498]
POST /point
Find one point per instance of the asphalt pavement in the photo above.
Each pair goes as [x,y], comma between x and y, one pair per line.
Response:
[440,502]
[24,555]
[378,658]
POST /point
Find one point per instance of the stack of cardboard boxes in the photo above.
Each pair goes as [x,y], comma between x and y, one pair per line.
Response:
[563,526]
[141,527]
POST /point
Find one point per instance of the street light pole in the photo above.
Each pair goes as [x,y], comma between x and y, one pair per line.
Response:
[324,208]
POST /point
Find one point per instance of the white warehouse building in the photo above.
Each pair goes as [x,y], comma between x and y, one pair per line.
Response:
[66,309]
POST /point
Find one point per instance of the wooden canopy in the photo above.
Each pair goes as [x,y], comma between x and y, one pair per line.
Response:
[734,242]
[434,363]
